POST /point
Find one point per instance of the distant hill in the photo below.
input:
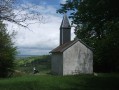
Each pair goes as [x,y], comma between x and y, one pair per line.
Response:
[26,56]
[26,63]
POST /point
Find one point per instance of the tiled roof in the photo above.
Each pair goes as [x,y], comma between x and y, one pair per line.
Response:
[64,46]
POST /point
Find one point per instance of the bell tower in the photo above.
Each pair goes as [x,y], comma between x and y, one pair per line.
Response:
[65,30]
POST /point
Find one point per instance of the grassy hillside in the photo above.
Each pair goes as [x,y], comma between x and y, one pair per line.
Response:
[44,81]
[47,82]
[42,64]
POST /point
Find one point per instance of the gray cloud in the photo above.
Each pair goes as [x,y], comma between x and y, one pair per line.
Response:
[42,38]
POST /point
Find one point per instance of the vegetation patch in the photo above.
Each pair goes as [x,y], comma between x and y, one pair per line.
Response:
[49,82]
[41,63]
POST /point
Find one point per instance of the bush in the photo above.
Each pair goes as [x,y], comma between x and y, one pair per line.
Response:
[7,52]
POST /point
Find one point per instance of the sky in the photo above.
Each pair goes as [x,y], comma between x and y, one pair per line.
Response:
[43,36]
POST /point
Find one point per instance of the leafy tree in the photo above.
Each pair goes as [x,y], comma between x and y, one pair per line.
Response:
[98,25]
[7,52]
[10,11]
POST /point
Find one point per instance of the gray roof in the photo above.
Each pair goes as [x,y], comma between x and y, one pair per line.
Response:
[65,46]
[65,22]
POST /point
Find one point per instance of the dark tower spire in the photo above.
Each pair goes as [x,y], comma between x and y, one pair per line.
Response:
[65,30]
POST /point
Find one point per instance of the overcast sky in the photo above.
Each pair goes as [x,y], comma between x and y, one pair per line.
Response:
[42,37]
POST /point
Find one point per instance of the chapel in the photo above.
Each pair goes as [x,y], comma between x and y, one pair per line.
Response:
[71,57]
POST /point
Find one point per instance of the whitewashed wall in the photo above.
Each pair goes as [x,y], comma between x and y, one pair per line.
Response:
[77,59]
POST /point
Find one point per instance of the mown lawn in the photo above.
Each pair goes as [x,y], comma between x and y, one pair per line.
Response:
[50,82]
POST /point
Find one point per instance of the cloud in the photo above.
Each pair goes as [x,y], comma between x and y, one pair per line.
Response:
[43,9]
[63,1]
[42,37]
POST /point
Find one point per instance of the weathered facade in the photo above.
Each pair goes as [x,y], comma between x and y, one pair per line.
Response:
[71,57]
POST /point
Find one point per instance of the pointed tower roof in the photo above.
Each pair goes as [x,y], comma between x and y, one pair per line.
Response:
[65,22]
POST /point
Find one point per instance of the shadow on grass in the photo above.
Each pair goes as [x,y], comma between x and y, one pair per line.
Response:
[96,83]
[50,82]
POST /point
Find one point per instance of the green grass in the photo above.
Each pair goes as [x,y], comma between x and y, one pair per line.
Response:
[44,81]
[42,64]
[49,82]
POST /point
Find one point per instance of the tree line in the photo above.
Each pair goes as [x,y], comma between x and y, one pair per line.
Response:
[97,24]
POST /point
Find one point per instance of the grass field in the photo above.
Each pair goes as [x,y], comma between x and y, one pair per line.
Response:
[50,82]
[24,79]
[42,64]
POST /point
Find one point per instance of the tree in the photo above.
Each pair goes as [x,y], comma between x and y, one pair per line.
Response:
[97,24]
[7,52]
[10,11]
[18,14]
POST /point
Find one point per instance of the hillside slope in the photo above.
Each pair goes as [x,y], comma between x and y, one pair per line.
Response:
[41,63]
